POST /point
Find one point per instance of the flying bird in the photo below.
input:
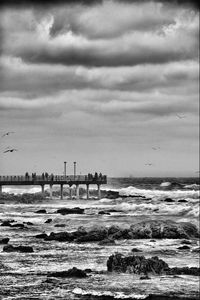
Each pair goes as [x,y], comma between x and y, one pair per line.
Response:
[149,164]
[7,133]
[180,117]
[10,150]
[155,148]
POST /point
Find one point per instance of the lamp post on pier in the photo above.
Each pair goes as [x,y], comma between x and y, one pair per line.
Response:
[74,170]
[65,169]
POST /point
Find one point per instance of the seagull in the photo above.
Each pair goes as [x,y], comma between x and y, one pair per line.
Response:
[180,117]
[7,133]
[155,148]
[10,150]
[150,164]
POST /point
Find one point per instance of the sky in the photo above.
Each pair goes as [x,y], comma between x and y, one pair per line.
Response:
[112,85]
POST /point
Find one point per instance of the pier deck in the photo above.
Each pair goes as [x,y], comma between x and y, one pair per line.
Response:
[42,180]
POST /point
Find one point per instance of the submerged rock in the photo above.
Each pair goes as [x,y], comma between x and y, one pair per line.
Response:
[185,247]
[6,223]
[102,212]
[182,201]
[48,221]
[107,242]
[41,236]
[24,249]
[74,272]
[4,241]
[66,211]
[59,225]
[135,250]
[168,200]
[41,211]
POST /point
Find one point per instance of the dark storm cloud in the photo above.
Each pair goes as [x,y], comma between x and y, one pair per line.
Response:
[86,2]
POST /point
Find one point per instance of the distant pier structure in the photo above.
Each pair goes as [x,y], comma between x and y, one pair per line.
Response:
[50,180]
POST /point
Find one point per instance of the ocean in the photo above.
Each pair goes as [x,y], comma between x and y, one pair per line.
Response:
[23,275]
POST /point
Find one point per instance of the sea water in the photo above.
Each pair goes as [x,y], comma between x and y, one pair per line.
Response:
[23,274]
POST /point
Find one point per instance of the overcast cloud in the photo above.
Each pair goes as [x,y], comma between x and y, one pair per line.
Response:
[100,82]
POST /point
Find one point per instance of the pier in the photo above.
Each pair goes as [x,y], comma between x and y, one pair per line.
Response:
[51,180]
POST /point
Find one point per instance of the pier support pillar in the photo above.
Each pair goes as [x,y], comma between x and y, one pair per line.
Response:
[88,193]
[99,191]
[70,193]
[1,188]
[61,191]
[42,189]
[77,191]
[51,191]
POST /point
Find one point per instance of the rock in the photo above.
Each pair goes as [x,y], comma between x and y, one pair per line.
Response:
[28,223]
[107,242]
[24,249]
[184,271]
[103,213]
[144,277]
[41,211]
[168,200]
[48,221]
[41,236]
[88,270]
[74,272]
[186,242]
[136,264]
[95,234]
[60,237]
[112,194]
[152,241]
[135,250]
[59,225]
[4,241]
[184,247]
[6,223]
[164,229]
[1,202]
[182,200]
[142,265]
[66,211]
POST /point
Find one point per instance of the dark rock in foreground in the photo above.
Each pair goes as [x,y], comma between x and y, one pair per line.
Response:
[74,272]
[136,264]
[23,249]
[142,265]
[66,211]
[4,241]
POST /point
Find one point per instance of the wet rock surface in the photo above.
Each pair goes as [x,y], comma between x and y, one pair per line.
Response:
[24,249]
[74,272]
[142,230]
[66,211]
[41,211]
[4,241]
[141,265]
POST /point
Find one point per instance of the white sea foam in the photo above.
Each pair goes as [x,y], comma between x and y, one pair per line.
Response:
[22,190]
[192,186]
[158,194]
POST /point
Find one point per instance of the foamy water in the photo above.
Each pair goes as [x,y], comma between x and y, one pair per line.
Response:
[25,277]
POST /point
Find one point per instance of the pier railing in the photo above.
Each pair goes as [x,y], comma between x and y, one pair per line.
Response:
[29,179]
